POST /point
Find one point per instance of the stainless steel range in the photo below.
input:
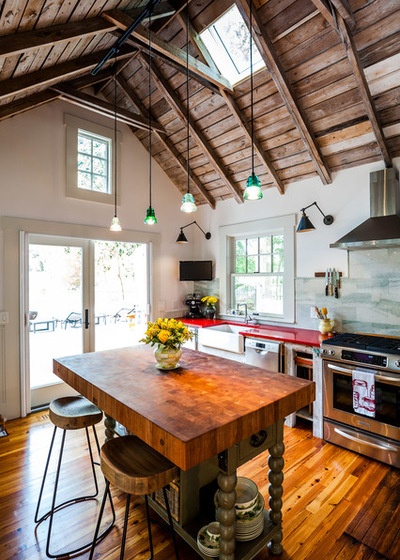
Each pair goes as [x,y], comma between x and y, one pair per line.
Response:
[362,373]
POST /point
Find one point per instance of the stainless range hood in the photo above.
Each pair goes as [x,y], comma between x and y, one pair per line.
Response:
[382,229]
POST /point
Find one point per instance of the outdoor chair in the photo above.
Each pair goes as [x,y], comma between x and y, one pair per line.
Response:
[74,319]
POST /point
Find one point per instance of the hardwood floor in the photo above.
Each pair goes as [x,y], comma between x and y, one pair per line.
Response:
[325,488]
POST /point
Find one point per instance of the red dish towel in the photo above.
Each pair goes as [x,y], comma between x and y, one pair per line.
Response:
[364,391]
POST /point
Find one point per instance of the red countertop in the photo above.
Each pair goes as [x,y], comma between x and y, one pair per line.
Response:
[285,334]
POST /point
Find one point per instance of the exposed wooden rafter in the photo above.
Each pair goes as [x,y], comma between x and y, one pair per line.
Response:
[277,72]
[47,77]
[53,35]
[338,22]
[97,105]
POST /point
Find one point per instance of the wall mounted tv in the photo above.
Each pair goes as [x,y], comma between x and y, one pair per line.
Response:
[195,270]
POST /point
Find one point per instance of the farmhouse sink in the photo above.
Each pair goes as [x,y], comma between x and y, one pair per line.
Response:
[223,337]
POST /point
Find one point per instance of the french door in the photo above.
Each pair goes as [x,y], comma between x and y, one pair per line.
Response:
[82,295]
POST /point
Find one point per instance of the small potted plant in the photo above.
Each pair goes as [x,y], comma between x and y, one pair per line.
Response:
[211,308]
[167,335]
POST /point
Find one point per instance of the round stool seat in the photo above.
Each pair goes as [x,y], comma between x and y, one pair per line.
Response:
[134,467]
[74,413]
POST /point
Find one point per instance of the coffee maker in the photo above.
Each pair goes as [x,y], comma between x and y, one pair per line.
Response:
[194,303]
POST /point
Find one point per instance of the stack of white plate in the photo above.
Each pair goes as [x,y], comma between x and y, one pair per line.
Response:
[205,545]
[250,524]
[249,510]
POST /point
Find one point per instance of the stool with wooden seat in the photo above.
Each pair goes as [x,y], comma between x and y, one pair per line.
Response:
[70,413]
[136,469]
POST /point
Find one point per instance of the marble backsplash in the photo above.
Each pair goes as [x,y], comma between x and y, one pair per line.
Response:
[369,298]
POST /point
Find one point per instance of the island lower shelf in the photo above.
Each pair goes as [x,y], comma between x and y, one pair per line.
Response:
[244,550]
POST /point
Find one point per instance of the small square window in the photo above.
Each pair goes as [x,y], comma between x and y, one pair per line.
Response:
[90,160]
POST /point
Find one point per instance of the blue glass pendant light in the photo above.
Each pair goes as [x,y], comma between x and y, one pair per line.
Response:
[253,185]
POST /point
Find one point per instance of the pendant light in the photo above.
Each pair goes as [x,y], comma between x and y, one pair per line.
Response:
[188,204]
[115,223]
[150,218]
[253,185]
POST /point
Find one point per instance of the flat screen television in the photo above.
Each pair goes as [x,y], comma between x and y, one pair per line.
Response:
[195,270]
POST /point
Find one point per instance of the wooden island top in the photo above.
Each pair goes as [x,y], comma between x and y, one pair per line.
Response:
[192,413]
[208,417]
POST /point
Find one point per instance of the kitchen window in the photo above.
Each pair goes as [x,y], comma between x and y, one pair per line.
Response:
[258,273]
[257,261]
[90,157]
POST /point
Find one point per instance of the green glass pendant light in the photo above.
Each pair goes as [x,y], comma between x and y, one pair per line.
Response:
[253,185]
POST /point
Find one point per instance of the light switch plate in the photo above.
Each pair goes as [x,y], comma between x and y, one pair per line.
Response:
[4,317]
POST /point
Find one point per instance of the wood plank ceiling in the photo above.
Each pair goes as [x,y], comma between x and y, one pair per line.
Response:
[328,98]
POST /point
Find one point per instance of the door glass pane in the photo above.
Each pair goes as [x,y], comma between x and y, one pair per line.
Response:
[120,293]
[55,308]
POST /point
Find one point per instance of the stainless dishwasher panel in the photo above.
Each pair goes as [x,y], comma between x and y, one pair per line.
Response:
[266,354]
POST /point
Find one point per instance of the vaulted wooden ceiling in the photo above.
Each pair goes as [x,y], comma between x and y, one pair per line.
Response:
[328,98]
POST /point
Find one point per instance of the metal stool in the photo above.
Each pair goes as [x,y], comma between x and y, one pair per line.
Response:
[136,469]
[70,413]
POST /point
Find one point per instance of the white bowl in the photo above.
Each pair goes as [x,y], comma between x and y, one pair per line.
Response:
[246,493]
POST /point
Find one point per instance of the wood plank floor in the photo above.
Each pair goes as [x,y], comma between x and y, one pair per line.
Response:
[325,488]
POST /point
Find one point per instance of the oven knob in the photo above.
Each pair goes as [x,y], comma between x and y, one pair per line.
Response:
[397,363]
[331,352]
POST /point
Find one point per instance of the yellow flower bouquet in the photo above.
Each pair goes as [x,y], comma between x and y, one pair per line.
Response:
[210,301]
[168,332]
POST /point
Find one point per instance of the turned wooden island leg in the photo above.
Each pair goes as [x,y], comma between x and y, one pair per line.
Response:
[227,514]
[275,476]
[109,425]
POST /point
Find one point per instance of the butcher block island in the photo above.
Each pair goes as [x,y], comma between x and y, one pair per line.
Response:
[208,416]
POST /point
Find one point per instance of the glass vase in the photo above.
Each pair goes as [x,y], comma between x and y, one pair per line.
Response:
[210,311]
[167,357]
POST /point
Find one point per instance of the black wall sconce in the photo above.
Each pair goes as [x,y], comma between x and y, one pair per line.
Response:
[305,223]
[182,236]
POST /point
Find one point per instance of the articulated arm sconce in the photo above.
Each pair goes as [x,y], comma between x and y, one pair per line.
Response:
[182,236]
[305,223]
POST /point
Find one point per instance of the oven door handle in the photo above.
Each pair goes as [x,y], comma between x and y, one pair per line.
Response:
[387,379]
[382,446]
[382,378]
[340,369]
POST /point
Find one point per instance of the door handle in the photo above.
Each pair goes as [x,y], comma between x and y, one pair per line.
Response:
[86,318]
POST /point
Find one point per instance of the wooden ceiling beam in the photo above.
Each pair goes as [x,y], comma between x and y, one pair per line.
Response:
[46,96]
[97,105]
[268,53]
[168,145]
[246,126]
[168,50]
[18,43]
[52,75]
[337,21]
[201,140]
[327,10]
[343,8]
[362,84]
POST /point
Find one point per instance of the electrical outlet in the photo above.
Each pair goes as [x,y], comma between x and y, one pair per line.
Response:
[313,313]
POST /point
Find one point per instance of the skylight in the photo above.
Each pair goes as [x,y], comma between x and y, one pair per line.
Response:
[228,42]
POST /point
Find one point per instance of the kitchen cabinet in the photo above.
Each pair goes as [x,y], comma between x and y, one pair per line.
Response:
[305,362]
